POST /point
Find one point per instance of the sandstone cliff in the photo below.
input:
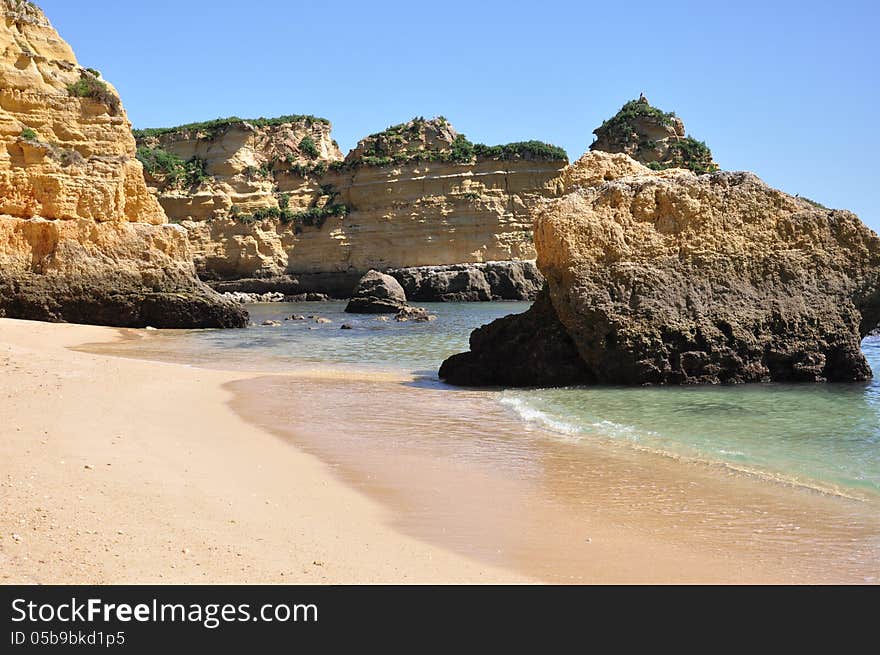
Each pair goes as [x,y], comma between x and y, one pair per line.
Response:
[417,194]
[671,277]
[653,137]
[82,237]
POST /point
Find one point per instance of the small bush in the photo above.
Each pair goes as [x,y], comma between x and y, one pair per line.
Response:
[89,86]
[28,134]
[308,147]
[175,171]
[689,153]
[314,216]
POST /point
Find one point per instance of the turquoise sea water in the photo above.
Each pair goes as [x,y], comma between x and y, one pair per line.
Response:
[822,436]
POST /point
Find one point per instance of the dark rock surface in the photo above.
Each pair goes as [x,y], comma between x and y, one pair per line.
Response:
[519,350]
[512,280]
[334,285]
[117,304]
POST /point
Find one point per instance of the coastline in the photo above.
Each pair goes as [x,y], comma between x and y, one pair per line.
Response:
[178,488]
[412,491]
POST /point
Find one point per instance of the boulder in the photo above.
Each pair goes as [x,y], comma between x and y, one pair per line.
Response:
[415,314]
[377,293]
[675,278]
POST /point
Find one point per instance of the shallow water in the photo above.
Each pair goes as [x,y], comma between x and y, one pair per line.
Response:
[583,484]
[822,436]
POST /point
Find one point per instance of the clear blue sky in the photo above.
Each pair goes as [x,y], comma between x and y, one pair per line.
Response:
[789,90]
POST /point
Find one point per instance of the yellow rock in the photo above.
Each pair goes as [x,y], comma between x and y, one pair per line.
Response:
[81,237]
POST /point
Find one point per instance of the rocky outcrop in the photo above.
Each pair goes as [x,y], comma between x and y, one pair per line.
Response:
[81,237]
[675,278]
[417,194]
[470,282]
[334,285]
[519,350]
[653,137]
[377,293]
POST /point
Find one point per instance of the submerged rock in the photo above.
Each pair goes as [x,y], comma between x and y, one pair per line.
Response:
[415,314]
[674,278]
[377,293]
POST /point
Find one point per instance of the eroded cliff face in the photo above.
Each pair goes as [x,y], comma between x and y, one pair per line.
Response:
[415,195]
[671,277]
[79,230]
[235,167]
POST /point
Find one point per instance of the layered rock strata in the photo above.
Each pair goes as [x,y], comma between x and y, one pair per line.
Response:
[81,237]
[258,207]
[675,278]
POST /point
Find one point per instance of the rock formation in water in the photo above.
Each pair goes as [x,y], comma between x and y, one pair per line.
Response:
[377,293]
[273,200]
[471,282]
[653,137]
[519,350]
[81,237]
[671,277]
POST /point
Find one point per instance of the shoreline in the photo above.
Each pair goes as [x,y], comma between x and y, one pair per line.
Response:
[104,480]
[560,511]
[440,510]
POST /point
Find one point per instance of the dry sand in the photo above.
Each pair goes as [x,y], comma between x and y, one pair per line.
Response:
[124,471]
[118,470]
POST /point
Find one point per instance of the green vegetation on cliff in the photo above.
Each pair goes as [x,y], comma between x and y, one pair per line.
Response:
[654,137]
[687,153]
[214,127]
[308,147]
[323,208]
[620,126]
[89,86]
[175,171]
[409,142]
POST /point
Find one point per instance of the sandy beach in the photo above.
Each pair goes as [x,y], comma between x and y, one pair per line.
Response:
[124,471]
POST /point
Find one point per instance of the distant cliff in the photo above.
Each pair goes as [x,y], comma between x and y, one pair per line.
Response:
[271,198]
[653,137]
[81,237]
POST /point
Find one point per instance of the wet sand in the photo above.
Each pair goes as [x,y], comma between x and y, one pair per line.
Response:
[331,475]
[457,469]
[122,471]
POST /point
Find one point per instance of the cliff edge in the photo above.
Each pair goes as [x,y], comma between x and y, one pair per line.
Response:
[81,237]
[274,201]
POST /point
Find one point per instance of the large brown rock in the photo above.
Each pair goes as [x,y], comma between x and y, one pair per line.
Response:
[377,293]
[81,237]
[676,278]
